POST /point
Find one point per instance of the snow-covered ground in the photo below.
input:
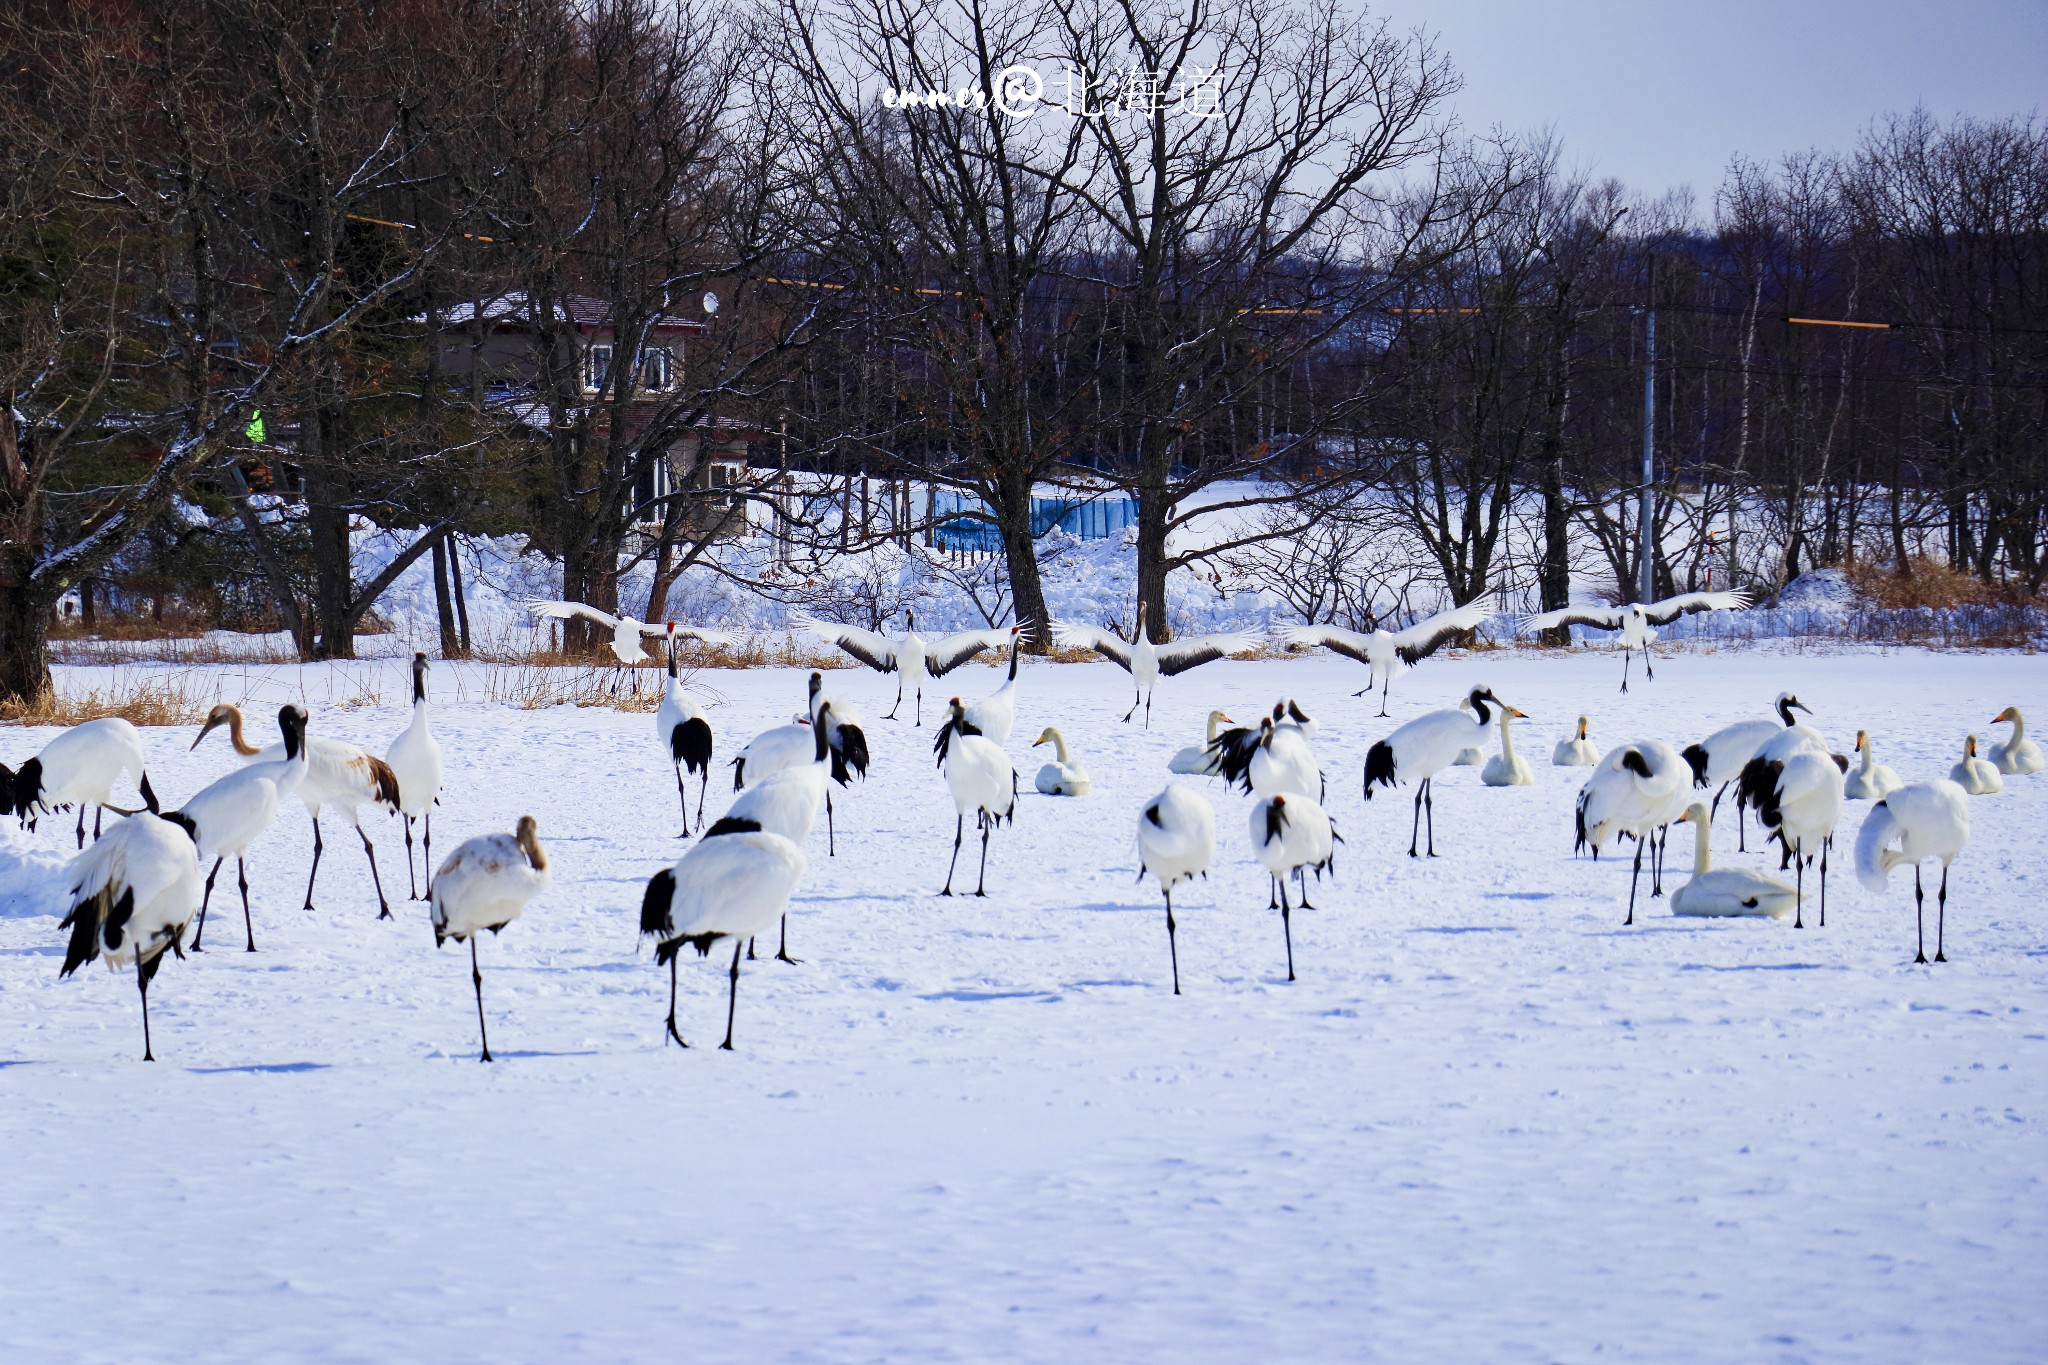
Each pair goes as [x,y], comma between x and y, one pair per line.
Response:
[1487,1123]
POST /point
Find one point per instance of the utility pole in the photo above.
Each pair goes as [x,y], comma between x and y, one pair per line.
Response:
[1647,564]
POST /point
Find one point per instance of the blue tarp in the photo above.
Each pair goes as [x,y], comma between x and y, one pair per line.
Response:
[967,524]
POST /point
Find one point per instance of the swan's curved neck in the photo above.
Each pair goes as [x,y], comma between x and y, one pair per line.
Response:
[2019,729]
[1507,743]
[1059,743]
[1869,754]
[1214,726]
[1702,847]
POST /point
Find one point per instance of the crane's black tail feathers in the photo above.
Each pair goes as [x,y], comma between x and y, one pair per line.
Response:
[1379,767]
[690,745]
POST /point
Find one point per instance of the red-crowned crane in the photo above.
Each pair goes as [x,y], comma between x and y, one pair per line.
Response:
[77,768]
[486,884]
[912,658]
[337,774]
[1915,823]
[1635,620]
[1176,843]
[733,883]
[227,815]
[1146,662]
[132,894]
[980,779]
[1292,833]
[685,733]
[415,760]
[1390,653]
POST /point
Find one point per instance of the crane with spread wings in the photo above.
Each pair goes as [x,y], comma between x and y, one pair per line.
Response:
[914,659]
[1635,619]
[1390,653]
[1146,662]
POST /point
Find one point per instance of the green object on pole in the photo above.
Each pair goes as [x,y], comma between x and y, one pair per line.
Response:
[254,431]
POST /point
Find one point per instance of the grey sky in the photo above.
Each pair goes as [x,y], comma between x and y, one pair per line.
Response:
[1660,94]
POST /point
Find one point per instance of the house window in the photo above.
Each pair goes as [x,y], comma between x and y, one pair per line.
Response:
[597,364]
[657,369]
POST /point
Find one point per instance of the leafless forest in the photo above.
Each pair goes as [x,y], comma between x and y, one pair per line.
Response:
[270,271]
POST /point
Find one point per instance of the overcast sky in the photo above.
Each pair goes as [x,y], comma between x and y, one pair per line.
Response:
[1660,94]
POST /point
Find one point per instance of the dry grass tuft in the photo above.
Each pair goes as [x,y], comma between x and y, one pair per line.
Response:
[538,687]
[156,699]
[1927,583]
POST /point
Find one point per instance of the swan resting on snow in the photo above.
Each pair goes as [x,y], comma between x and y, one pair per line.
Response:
[1720,893]
[1063,776]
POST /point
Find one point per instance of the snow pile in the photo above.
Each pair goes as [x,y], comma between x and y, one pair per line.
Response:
[32,869]
[1820,590]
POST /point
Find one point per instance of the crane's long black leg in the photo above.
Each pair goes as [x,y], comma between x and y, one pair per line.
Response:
[981,882]
[412,887]
[732,1000]
[1148,708]
[1301,880]
[1287,928]
[81,826]
[1136,697]
[427,855]
[899,697]
[672,1033]
[959,827]
[750,949]
[1649,668]
[248,924]
[99,813]
[1799,882]
[1825,845]
[1172,948]
[142,984]
[831,837]
[370,852]
[1920,916]
[1634,877]
[1941,918]
[1627,656]
[1657,862]
[920,704]
[314,874]
[703,781]
[476,977]
[684,797]
[204,901]
[1272,892]
[782,953]
[1387,682]
[1429,807]
[1415,826]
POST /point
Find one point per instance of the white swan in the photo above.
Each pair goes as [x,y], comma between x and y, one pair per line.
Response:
[2018,755]
[1873,781]
[1196,760]
[1576,751]
[1720,893]
[1062,777]
[1977,776]
[1507,768]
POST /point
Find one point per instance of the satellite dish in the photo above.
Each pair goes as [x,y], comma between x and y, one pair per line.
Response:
[710,302]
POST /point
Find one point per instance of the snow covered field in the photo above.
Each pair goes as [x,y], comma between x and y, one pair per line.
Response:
[1487,1123]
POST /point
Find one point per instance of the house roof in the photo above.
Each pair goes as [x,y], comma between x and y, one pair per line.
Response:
[586,311]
